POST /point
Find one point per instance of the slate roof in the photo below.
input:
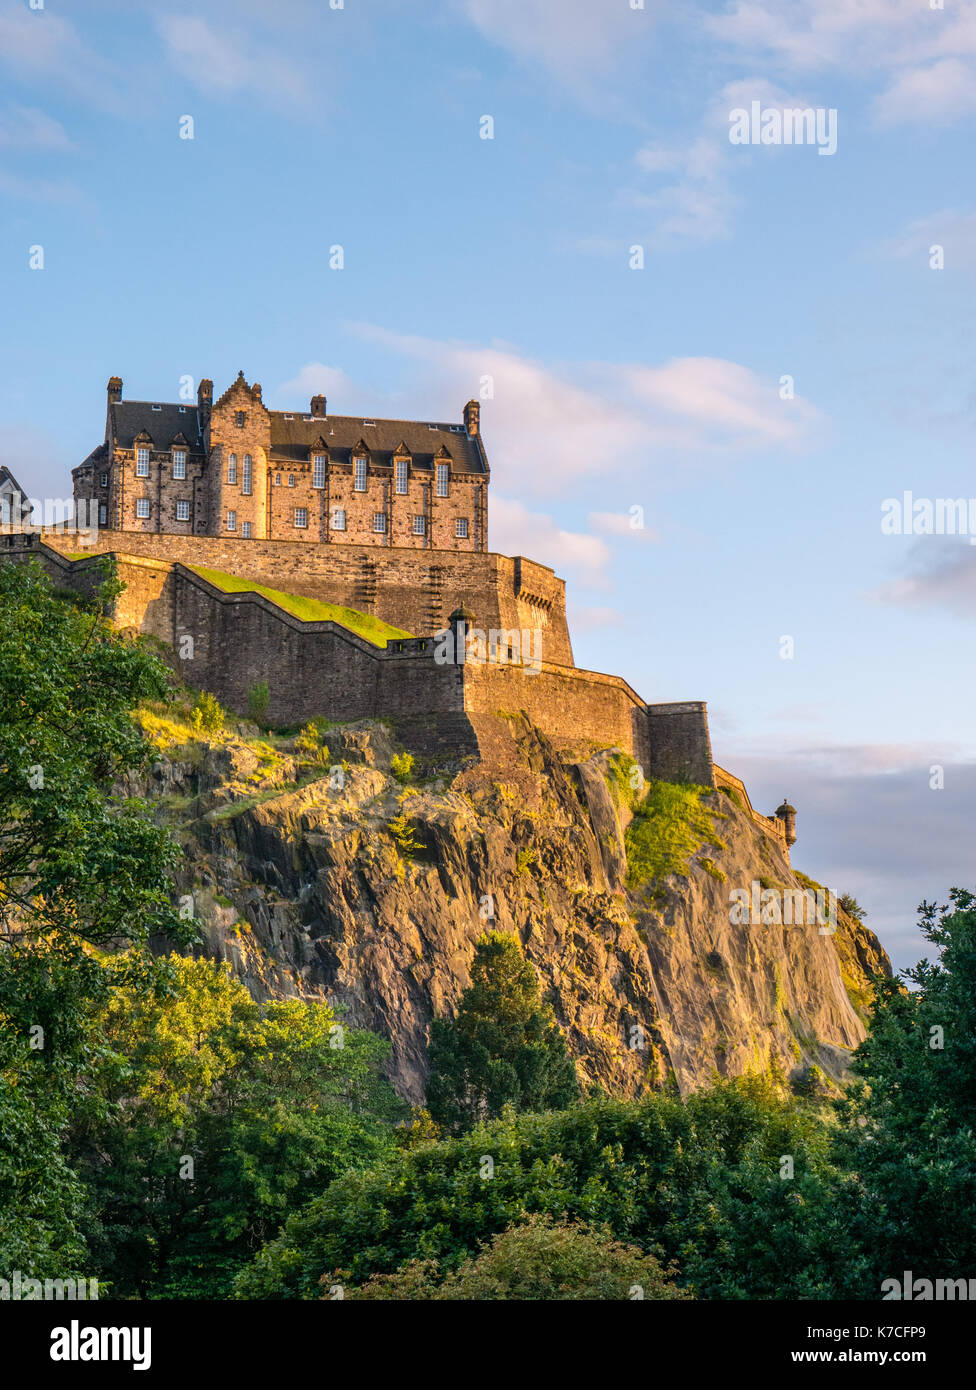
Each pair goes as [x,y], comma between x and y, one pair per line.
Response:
[291,439]
[162,422]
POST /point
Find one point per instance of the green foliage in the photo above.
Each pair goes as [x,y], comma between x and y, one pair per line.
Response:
[503,1048]
[401,765]
[538,1259]
[852,907]
[308,742]
[524,859]
[909,1119]
[671,823]
[258,699]
[405,836]
[208,717]
[695,1182]
[217,1118]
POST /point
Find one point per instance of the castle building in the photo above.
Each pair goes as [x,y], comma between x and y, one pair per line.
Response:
[235,468]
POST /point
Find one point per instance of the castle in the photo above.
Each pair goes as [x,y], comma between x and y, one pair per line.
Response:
[233,467]
[343,563]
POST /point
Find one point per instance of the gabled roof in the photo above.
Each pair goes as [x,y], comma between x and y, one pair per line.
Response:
[8,483]
[292,438]
[163,422]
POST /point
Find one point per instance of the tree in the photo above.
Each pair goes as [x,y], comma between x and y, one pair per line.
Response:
[220,1117]
[503,1048]
[80,866]
[537,1259]
[909,1119]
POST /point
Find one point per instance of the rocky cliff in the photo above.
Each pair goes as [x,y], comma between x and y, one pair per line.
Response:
[318,873]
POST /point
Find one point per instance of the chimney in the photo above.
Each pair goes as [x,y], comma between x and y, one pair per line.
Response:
[205,395]
[256,391]
[318,407]
[114,389]
[472,416]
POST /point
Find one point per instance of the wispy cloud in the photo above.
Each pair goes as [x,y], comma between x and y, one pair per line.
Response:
[226,62]
[552,424]
[28,127]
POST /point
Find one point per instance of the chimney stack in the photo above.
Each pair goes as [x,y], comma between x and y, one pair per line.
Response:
[472,417]
[114,389]
[318,407]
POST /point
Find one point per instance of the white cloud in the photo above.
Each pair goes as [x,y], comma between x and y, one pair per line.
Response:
[622,524]
[221,60]
[924,56]
[23,127]
[937,94]
[548,425]
[38,45]
[514,530]
[316,379]
[578,41]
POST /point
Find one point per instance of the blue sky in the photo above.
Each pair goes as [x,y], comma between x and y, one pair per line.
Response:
[613,388]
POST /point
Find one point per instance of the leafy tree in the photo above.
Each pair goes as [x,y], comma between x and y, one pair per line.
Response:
[538,1259]
[690,1182]
[74,854]
[208,716]
[503,1048]
[79,866]
[220,1117]
[909,1119]
[852,907]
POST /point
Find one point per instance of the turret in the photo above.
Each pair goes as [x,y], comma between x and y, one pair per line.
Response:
[787,814]
[460,624]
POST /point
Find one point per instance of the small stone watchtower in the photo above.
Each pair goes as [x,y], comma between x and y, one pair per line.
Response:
[787,814]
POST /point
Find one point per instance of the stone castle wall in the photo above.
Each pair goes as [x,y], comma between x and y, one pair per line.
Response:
[321,669]
[414,590]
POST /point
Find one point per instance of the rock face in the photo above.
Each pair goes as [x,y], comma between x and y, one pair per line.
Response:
[372,895]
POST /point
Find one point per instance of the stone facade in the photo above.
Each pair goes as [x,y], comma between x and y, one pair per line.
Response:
[235,468]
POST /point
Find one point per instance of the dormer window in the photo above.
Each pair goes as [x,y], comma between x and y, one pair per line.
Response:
[179,463]
[246,477]
[232,470]
[142,462]
[318,470]
[443,480]
[359,475]
[401,470]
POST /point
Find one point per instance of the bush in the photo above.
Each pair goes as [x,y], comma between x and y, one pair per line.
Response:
[207,716]
[538,1259]
[401,765]
[308,741]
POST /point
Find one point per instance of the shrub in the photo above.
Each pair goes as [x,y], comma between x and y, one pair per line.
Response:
[401,765]
[537,1259]
[207,716]
[308,741]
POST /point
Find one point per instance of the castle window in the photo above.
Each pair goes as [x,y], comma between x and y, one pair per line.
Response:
[338,519]
[401,475]
[291,480]
[232,469]
[142,508]
[182,511]
[461,528]
[103,513]
[246,530]
[301,517]
[359,481]
[443,479]
[232,521]
[179,463]
[103,480]
[318,470]
[246,479]
[379,522]
[240,419]
[420,526]
[142,463]
[277,480]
